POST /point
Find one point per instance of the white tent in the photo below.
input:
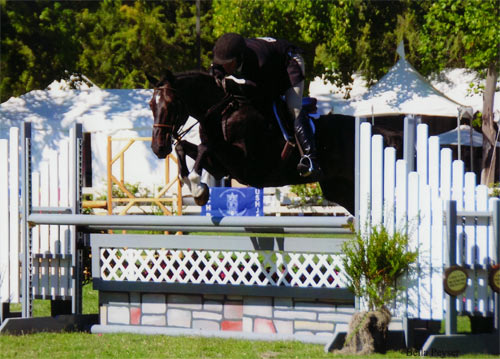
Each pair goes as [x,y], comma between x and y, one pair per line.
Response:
[103,113]
[451,137]
[403,91]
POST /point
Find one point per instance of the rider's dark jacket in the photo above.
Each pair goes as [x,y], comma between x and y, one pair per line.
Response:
[268,63]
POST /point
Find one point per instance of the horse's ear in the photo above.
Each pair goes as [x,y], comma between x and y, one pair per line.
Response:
[152,80]
[169,76]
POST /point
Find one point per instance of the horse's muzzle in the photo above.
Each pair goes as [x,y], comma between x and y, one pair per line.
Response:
[162,148]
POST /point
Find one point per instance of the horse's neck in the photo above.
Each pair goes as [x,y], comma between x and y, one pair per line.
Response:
[200,92]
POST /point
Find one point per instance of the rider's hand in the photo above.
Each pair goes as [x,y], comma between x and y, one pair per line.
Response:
[217,72]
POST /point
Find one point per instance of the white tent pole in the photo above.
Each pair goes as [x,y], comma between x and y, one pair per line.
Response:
[459,118]
[471,148]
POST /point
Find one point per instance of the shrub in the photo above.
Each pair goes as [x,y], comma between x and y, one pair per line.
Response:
[373,260]
[309,193]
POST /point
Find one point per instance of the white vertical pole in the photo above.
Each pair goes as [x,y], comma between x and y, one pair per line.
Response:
[389,189]
[54,243]
[65,264]
[478,248]
[377,180]
[35,232]
[365,177]
[422,153]
[44,230]
[401,195]
[4,222]
[425,243]
[413,230]
[436,236]
[445,175]
[457,192]
[15,237]
[434,165]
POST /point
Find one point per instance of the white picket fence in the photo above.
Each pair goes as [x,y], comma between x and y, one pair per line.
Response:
[51,246]
[414,201]
[388,194]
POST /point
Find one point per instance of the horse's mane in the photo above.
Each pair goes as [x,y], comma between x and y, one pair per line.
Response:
[187,78]
[191,74]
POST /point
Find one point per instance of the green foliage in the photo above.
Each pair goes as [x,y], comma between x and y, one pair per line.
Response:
[309,193]
[122,42]
[374,261]
[115,43]
[39,44]
[494,189]
[460,33]
[302,22]
[338,37]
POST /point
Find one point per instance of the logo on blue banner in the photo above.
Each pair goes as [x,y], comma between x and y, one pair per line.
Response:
[229,201]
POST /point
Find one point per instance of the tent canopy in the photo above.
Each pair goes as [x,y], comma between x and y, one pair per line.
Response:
[402,91]
[451,137]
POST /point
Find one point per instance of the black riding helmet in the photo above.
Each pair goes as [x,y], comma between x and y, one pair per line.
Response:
[229,47]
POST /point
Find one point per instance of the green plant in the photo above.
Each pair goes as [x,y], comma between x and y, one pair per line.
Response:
[494,189]
[309,193]
[373,260]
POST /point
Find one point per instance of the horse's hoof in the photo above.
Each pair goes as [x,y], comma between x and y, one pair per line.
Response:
[202,199]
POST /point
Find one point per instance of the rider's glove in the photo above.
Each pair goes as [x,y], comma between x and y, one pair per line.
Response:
[217,72]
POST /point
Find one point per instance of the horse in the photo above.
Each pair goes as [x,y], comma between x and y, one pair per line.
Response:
[243,142]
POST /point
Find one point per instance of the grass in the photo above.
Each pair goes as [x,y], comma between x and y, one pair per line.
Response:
[41,308]
[85,345]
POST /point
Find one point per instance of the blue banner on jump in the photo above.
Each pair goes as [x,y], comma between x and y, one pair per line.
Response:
[229,201]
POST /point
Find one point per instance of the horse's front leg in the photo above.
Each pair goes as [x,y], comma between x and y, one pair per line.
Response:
[203,160]
[183,149]
[199,189]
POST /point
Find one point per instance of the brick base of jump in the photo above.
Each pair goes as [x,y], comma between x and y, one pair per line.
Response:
[264,318]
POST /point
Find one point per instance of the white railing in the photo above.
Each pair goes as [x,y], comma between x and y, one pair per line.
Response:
[9,218]
[51,248]
[414,201]
[260,268]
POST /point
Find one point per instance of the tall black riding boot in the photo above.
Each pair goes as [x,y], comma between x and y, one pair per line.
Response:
[308,164]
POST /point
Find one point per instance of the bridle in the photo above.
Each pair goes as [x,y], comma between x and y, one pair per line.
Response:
[172,126]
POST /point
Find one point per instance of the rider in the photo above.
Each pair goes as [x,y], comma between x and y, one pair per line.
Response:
[275,67]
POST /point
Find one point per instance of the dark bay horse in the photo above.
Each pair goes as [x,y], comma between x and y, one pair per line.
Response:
[240,141]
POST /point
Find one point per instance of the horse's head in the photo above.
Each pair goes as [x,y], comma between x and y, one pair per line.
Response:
[169,113]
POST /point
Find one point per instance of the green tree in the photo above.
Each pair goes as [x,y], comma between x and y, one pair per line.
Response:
[38,44]
[339,37]
[466,33]
[113,43]
[123,42]
[302,22]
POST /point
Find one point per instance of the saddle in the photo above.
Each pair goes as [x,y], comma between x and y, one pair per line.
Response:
[245,94]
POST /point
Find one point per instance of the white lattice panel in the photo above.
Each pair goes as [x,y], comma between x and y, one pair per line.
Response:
[222,267]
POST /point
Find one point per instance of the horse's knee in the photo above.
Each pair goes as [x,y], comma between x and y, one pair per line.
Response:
[179,149]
